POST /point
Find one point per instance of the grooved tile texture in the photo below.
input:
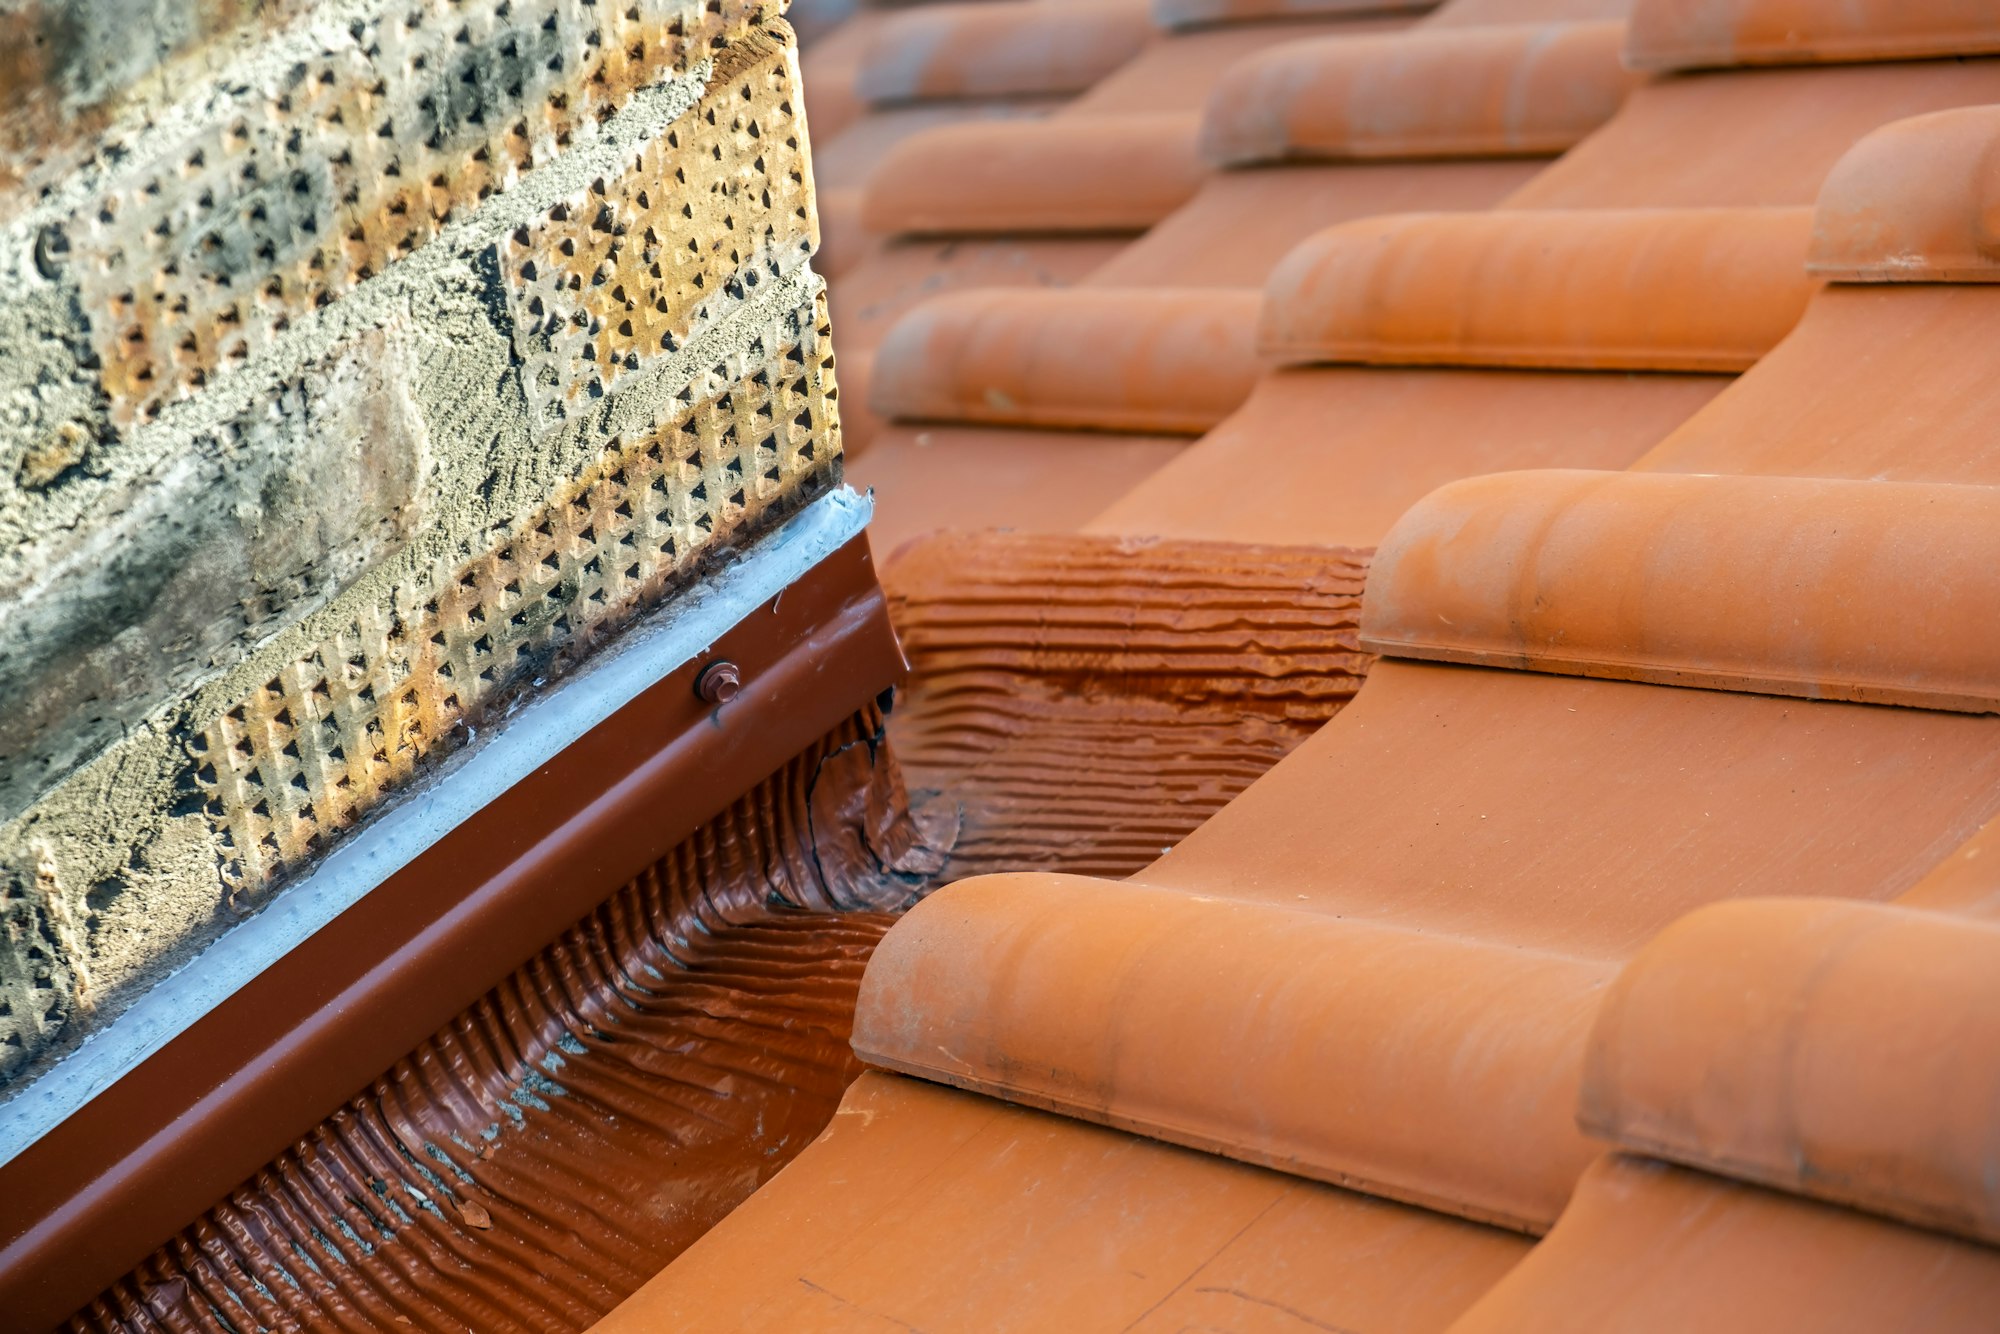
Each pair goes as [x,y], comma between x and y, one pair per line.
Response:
[586,1120]
[1090,701]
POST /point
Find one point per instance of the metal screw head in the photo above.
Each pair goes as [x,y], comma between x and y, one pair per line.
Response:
[719,682]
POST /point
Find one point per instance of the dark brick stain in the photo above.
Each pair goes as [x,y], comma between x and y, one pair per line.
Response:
[487,83]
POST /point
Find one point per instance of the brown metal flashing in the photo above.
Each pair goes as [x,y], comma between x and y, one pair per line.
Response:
[539,1157]
[93,1196]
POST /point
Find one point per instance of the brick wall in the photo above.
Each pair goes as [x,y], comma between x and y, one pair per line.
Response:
[365,364]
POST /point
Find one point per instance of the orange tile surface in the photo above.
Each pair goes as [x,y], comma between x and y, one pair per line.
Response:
[1643,899]
[1854,590]
[1510,90]
[1686,290]
[1337,453]
[1106,167]
[1917,201]
[1001,50]
[1842,1051]
[1690,34]
[1136,359]
[1050,481]
[1748,137]
[1005,178]
[1654,1249]
[1050,1225]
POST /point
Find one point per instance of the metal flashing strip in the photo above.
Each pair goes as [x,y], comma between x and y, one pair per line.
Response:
[535,733]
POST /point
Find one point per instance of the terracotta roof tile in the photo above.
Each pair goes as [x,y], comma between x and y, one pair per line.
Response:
[1055,1225]
[1825,589]
[1481,13]
[1843,1051]
[1082,996]
[1686,289]
[1195,13]
[1177,72]
[1694,34]
[1858,352]
[873,297]
[984,50]
[1653,1249]
[1966,882]
[1114,162]
[1747,137]
[1916,201]
[828,72]
[1140,360]
[843,169]
[1405,956]
[1514,90]
[1241,223]
[1331,454]
[1122,174]
[1060,478]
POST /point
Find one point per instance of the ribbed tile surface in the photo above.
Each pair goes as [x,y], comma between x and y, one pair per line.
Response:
[1089,701]
[595,1113]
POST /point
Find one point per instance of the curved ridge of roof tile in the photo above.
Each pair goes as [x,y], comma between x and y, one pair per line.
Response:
[1635,289]
[1522,90]
[1146,359]
[1647,1248]
[984,50]
[1198,13]
[1849,1052]
[1712,34]
[1486,13]
[1118,173]
[1873,592]
[1073,994]
[1916,201]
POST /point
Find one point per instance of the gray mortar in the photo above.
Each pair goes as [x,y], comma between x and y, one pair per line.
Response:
[411,378]
[98,48]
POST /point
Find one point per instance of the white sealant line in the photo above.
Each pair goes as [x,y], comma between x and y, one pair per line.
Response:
[674,635]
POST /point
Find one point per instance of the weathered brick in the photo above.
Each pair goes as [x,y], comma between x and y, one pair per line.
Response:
[368,363]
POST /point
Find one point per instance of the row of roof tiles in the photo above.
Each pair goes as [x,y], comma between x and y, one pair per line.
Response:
[1642,900]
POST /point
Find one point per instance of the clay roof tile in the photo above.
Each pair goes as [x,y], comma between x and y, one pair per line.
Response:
[1641,289]
[1001,50]
[1916,201]
[1144,360]
[1201,1019]
[1709,34]
[1513,90]
[1876,592]
[1198,13]
[1844,1051]
[1112,174]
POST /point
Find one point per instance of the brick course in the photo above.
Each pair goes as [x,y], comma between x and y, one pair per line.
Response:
[367,363]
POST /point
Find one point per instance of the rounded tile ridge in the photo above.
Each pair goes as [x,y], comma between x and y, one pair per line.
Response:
[1628,289]
[1515,90]
[1916,201]
[1719,34]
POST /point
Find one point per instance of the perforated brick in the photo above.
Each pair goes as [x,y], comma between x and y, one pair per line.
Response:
[193,259]
[616,275]
[332,733]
